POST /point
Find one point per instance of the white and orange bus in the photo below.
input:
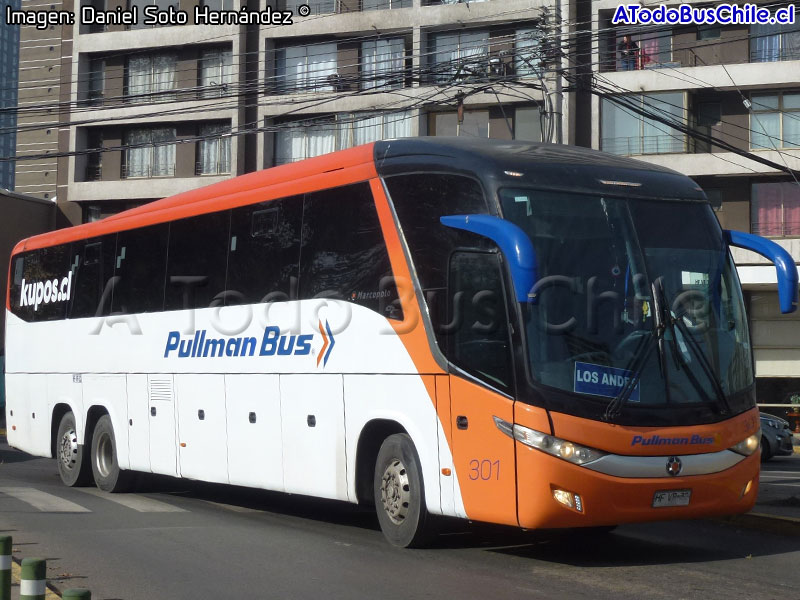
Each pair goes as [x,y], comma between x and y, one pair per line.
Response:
[526,334]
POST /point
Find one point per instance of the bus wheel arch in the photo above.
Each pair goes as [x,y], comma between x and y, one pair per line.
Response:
[71,456]
[369,444]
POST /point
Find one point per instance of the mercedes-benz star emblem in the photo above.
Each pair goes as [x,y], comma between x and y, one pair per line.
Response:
[674,465]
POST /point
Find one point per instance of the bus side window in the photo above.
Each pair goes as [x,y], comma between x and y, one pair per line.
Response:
[343,253]
[50,267]
[264,252]
[476,337]
[140,268]
[197,258]
[93,268]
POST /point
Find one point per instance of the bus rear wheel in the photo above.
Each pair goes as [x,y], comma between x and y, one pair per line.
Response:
[107,474]
[73,464]
[399,493]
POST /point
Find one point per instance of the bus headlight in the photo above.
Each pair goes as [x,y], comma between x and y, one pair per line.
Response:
[748,445]
[569,451]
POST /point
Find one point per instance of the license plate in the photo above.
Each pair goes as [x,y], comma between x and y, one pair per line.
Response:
[671,498]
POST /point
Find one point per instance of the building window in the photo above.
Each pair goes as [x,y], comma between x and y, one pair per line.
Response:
[378,4]
[709,115]
[382,63]
[94,156]
[295,142]
[460,56]
[709,32]
[96,81]
[527,52]
[307,68]
[151,152]
[525,122]
[775,121]
[151,78]
[775,209]
[214,149]
[654,49]
[627,133]
[216,73]
[770,43]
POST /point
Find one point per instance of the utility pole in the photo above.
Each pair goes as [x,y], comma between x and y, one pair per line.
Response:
[558,61]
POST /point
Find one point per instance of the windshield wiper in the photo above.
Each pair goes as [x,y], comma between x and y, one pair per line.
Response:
[640,360]
[722,398]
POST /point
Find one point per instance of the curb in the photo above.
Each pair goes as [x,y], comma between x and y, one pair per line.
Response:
[16,572]
[765,522]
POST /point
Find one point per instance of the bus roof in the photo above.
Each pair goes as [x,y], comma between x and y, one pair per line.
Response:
[496,163]
[501,163]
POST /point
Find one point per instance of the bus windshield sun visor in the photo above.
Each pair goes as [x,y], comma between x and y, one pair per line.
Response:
[515,245]
[779,256]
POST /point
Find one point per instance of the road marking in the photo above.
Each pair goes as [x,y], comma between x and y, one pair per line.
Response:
[776,477]
[138,503]
[43,501]
[782,472]
[784,484]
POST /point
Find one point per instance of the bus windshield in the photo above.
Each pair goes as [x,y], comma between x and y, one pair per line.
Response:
[637,299]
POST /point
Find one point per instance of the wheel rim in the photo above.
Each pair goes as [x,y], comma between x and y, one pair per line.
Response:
[104,457]
[69,449]
[396,491]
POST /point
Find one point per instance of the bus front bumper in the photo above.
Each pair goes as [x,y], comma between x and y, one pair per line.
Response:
[609,500]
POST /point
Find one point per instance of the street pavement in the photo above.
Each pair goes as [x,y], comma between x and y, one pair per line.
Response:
[176,539]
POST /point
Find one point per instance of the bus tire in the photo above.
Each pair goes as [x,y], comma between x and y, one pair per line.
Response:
[72,458]
[399,493]
[107,474]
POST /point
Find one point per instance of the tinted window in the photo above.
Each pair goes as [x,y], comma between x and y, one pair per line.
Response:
[476,338]
[343,254]
[140,267]
[198,252]
[264,252]
[93,268]
[419,201]
[41,284]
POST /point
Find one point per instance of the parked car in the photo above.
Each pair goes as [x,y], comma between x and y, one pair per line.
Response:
[776,437]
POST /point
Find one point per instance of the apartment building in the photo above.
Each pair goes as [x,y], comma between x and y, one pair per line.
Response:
[42,55]
[9,65]
[737,85]
[151,111]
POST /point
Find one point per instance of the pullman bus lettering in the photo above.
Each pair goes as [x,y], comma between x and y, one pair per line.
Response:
[272,343]
[45,292]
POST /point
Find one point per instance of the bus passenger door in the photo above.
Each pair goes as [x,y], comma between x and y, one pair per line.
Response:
[476,341]
[161,405]
[312,426]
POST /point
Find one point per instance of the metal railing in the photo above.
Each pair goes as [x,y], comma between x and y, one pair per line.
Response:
[219,167]
[647,144]
[94,173]
[148,171]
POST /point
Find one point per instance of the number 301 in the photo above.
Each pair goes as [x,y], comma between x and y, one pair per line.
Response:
[484,469]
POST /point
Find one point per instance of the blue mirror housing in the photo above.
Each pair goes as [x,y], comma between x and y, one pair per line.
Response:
[779,256]
[515,245]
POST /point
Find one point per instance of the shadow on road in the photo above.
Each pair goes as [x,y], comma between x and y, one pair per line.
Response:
[9,455]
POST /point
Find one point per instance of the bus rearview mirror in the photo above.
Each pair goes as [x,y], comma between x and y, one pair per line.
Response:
[514,243]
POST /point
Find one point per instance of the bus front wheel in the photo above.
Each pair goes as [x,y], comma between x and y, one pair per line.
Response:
[73,466]
[399,493]
[107,474]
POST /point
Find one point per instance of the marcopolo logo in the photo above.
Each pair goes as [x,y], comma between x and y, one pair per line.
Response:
[657,440]
[45,292]
[272,343]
